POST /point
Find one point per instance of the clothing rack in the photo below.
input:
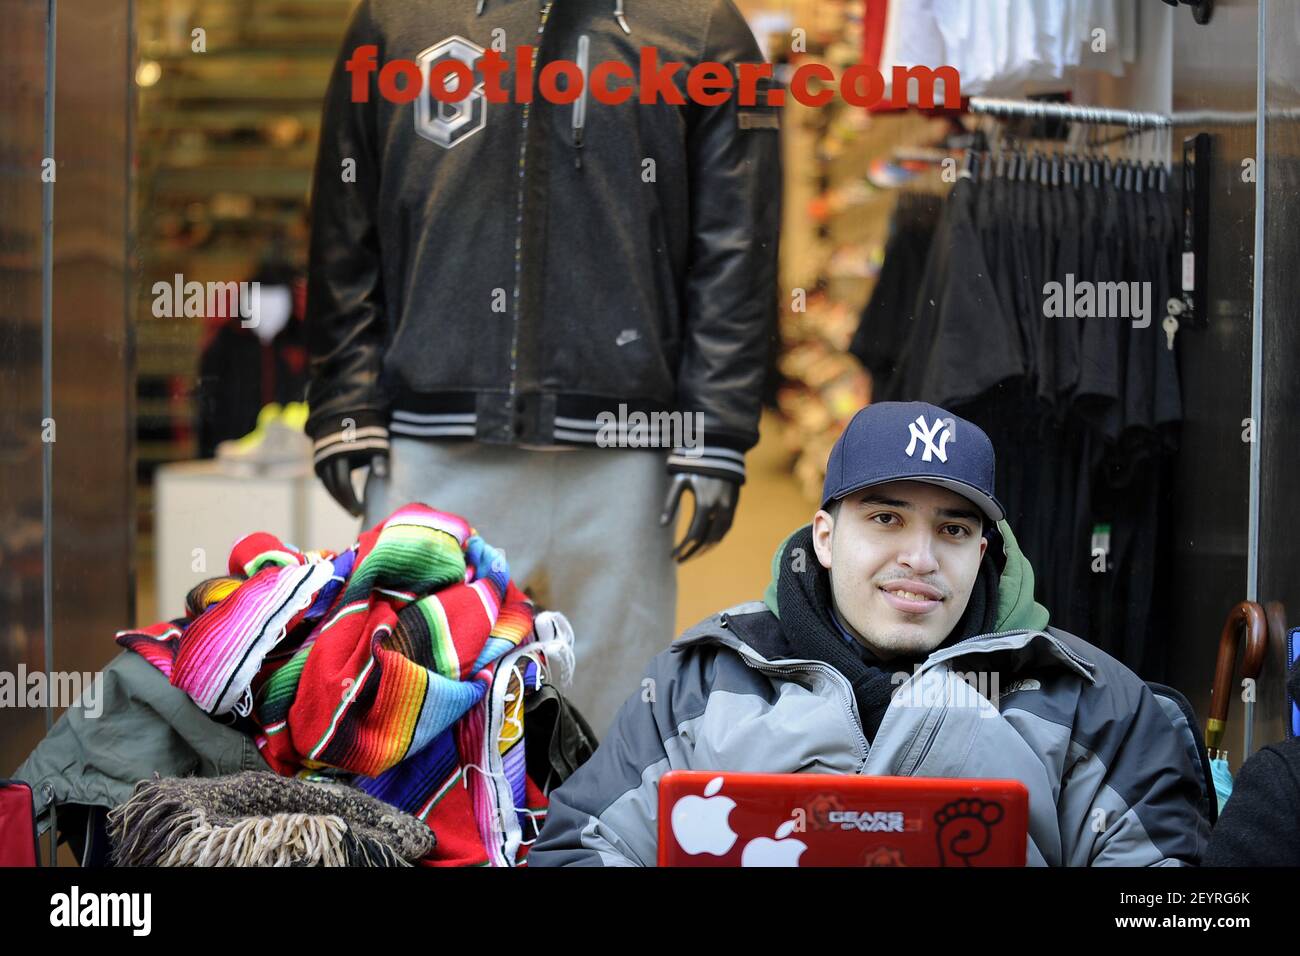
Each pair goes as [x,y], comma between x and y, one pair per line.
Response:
[1104,116]
[1070,112]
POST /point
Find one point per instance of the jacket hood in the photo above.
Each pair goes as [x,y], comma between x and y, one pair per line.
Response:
[1017,609]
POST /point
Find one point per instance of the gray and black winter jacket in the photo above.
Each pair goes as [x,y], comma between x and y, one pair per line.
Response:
[508,272]
[1112,771]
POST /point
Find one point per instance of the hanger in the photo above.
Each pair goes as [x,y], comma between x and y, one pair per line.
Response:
[1092,171]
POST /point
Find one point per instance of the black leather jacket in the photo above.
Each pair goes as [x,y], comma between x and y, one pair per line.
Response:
[514,274]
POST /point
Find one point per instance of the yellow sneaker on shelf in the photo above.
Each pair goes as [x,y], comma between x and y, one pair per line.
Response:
[277,445]
[295,416]
[265,416]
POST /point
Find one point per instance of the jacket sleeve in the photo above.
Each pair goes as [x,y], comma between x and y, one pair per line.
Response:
[606,813]
[731,288]
[345,320]
[1132,795]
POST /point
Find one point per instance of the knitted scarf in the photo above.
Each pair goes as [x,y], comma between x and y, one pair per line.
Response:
[804,598]
[260,819]
[375,662]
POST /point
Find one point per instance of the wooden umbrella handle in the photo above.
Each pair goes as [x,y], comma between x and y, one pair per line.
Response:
[1251,616]
[1275,611]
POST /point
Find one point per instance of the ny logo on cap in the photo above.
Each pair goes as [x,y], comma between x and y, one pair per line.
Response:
[926,433]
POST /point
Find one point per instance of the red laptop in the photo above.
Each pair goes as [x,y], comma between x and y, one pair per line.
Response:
[711,818]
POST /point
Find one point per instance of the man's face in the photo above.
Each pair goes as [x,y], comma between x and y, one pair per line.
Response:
[903,558]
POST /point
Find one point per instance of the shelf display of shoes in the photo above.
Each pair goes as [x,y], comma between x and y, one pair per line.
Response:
[225,142]
[842,179]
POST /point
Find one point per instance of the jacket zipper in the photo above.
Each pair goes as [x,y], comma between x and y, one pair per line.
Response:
[846,692]
[929,742]
[519,209]
[580,104]
[846,695]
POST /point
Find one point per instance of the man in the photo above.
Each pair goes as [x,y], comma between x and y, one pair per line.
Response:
[906,579]
[502,292]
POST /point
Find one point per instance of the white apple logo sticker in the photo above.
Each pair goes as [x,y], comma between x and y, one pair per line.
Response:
[700,823]
[778,852]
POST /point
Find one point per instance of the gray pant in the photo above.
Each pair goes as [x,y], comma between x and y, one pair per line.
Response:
[581,532]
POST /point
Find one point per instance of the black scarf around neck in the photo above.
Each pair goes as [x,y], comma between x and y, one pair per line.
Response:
[806,606]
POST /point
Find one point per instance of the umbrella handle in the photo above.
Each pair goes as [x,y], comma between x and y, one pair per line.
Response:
[1250,616]
[1275,611]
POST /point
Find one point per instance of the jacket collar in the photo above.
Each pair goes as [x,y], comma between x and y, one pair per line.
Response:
[753,632]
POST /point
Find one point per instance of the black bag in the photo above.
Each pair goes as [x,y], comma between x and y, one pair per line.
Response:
[558,740]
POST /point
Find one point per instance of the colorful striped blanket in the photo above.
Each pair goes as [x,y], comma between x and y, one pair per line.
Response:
[402,663]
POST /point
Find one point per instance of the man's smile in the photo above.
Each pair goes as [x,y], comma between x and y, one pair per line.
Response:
[912,597]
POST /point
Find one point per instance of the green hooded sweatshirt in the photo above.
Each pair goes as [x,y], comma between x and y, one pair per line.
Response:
[1017,609]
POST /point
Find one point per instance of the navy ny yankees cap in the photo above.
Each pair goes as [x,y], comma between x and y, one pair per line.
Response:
[913,441]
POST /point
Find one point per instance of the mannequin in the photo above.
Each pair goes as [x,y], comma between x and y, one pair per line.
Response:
[492,283]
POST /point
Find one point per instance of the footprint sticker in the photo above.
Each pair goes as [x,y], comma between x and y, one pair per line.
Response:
[965,829]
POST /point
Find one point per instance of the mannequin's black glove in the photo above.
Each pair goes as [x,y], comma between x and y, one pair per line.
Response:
[335,474]
[715,506]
